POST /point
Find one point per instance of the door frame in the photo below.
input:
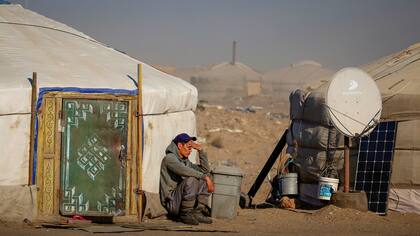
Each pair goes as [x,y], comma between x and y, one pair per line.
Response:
[49,150]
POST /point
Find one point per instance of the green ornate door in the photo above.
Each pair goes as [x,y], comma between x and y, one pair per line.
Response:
[93,157]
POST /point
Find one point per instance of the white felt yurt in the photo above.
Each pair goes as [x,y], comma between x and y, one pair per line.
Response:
[398,79]
[281,82]
[227,82]
[72,65]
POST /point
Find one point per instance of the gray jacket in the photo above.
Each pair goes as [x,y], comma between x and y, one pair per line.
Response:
[174,169]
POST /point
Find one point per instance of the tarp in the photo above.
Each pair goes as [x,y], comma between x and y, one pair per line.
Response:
[315,145]
[66,58]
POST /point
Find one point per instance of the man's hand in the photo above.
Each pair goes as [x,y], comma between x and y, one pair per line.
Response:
[210,184]
[196,146]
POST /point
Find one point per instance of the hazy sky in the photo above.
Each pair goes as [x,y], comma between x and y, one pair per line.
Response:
[270,34]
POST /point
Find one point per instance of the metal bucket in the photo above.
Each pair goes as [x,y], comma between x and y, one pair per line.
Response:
[225,200]
[289,184]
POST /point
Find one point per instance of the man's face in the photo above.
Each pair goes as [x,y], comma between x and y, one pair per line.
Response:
[185,148]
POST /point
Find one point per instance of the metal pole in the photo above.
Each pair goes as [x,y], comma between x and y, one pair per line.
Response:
[267,167]
[346,164]
[234,53]
[32,128]
[139,155]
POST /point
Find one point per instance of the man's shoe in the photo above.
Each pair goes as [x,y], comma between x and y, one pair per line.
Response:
[189,219]
[201,218]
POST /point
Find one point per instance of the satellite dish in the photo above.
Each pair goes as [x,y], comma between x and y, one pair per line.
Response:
[354,102]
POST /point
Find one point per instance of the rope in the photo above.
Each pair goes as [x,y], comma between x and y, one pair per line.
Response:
[51,28]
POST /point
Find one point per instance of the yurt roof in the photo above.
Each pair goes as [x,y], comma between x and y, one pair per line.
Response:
[398,79]
[65,58]
[188,72]
[227,71]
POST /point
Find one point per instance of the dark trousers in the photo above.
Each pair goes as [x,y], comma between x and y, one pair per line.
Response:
[191,194]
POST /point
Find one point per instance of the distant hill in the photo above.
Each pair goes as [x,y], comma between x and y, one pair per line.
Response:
[280,82]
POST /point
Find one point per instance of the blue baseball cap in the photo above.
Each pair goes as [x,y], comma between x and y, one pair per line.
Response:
[183,138]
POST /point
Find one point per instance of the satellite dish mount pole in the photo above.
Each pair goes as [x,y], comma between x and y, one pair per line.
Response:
[346,164]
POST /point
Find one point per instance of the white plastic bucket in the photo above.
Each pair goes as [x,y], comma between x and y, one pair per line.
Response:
[326,187]
[289,184]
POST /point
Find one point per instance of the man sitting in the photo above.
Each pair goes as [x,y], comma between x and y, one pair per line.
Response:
[184,186]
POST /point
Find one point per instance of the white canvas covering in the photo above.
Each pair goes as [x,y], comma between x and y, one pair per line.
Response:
[398,79]
[157,136]
[66,58]
[18,202]
[14,149]
[404,200]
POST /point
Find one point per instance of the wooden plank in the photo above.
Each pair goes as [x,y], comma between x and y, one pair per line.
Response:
[48,187]
[48,155]
[267,167]
[99,96]
[128,179]
[32,128]
[40,163]
[49,127]
[133,172]
[139,143]
[57,156]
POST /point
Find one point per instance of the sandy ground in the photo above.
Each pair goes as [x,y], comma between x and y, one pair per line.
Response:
[246,139]
[327,221]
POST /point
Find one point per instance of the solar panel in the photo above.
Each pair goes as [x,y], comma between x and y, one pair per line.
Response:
[374,165]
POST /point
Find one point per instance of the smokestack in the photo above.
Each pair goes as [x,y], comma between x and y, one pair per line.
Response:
[233,53]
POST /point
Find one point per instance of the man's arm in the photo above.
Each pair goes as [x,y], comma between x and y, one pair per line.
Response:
[204,163]
[180,169]
[204,166]
[210,184]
